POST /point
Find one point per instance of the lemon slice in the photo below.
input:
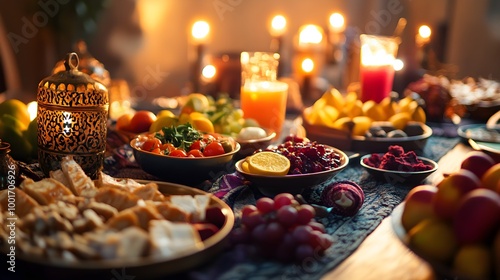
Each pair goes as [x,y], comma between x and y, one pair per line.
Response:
[268,163]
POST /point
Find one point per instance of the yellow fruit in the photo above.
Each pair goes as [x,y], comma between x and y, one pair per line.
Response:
[310,115]
[372,110]
[351,97]
[404,102]
[184,118]
[196,102]
[165,113]
[354,109]
[9,120]
[491,177]
[473,262]
[268,163]
[319,104]
[345,124]
[400,120]
[419,115]
[203,125]
[160,122]
[389,107]
[434,240]
[244,167]
[17,109]
[334,98]
[361,125]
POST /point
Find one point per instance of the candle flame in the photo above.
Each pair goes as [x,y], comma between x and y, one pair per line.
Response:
[307,65]
[337,22]
[378,51]
[208,72]
[278,25]
[398,65]
[311,34]
[32,109]
[424,31]
[200,30]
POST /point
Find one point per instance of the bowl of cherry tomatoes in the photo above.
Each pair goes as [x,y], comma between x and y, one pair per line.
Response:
[182,154]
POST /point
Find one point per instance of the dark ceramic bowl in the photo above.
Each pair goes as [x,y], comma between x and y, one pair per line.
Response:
[294,184]
[403,177]
[185,170]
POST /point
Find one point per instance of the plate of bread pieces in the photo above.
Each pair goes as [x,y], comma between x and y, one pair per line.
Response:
[72,226]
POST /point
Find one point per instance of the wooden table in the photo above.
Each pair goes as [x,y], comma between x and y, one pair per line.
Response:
[382,255]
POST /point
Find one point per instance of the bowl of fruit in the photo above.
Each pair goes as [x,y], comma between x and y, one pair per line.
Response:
[455,226]
[350,124]
[292,166]
[183,154]
[398,166]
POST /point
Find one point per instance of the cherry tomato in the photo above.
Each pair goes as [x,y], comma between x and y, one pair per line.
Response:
[156,151]
[151,144]
[213,149]
[208,138]
[197,145]
[167,147]
[195,153]
[178,153]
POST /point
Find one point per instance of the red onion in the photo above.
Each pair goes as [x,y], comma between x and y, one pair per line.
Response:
[344,197]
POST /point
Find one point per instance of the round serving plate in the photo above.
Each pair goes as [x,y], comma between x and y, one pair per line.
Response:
[145,268]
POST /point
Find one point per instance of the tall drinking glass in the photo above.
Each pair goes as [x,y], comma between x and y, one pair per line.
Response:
[262,97]
[377,71]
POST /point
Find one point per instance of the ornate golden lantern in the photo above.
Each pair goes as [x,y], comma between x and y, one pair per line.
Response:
[72,117]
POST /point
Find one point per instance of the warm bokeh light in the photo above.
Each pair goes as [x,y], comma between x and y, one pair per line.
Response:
[398,64]
[32,109]
[424,31]
[310,34]
[200,30]
[337,22]
[208,72]
[307,65]
[278,25]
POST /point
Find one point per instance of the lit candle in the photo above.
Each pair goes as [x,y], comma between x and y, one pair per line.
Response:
[307,68]
[277,30]
[199,33]
[310,37]
[423,36]
[337,26]
[377,66]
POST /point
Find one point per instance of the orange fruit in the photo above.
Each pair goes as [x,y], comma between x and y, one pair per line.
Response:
[141,121]
[123,122]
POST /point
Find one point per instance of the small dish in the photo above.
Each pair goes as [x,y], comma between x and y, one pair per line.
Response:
[185,170]
[294,184]
[250,146]
[480,132]
[405,177]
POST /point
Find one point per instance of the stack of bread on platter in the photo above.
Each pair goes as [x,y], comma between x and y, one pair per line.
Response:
[71,217]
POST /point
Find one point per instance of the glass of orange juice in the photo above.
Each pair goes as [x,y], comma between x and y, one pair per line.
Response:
[262,96]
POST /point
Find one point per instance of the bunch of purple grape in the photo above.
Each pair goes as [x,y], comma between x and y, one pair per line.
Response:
[281,229]
[307,157]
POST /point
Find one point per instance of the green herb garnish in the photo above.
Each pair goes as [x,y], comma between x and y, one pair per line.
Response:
[181,136]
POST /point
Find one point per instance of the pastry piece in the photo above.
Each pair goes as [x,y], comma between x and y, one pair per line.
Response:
[46,191]
[23,203]
[122,220]
[171,212]
[169,238]
[59,176]
[79,183]
[194,205]
[147,191]
[134,243]
[117,198]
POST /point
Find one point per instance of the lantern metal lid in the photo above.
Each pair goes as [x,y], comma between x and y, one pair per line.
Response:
[88,64]
[72,119]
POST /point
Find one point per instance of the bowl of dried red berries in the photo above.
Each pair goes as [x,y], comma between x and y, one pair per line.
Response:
[398,166]
[311,164]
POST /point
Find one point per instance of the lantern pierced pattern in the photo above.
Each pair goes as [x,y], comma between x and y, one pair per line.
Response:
[72,117]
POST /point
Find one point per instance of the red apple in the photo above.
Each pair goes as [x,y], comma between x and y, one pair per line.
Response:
[477,217]
[451,189]
[477,162]
[141,121]
[418,206]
